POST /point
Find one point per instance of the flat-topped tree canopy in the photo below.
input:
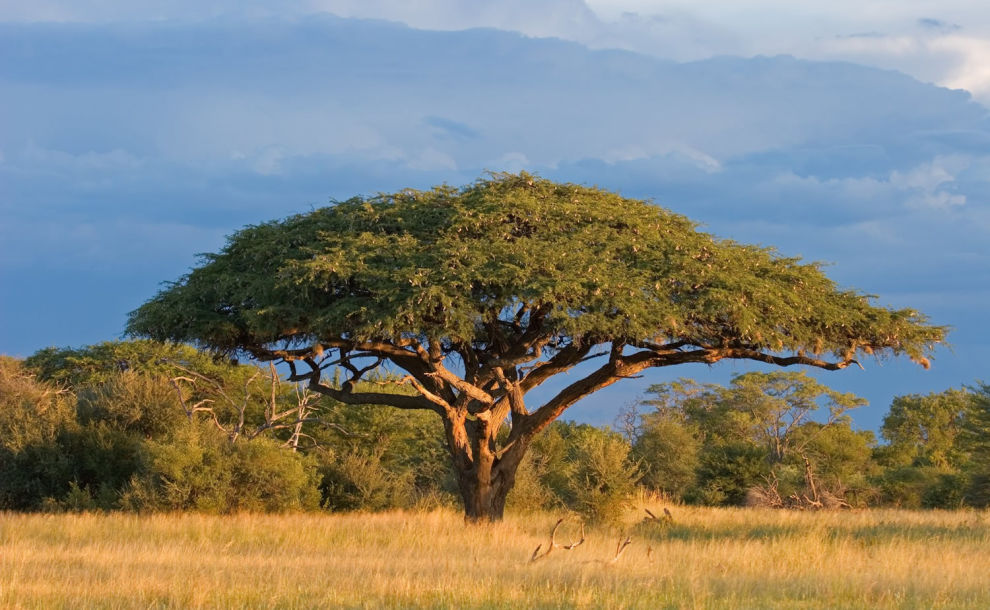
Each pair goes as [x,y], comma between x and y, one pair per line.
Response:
[515,279]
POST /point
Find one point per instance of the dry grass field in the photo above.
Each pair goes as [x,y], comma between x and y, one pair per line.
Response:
[707,558]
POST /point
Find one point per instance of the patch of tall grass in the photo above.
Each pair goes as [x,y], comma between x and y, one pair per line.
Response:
[704,558]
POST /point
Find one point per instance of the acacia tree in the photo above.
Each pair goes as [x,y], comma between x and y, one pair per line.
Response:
[479,294]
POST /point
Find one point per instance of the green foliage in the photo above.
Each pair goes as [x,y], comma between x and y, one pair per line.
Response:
[145,404]
[33,415]
[938,450]
[727,471]
[842,458]
[358,480]
[93,365]
[102,459]
[198,468]
[727,440]
[530,492]
[32,411]
[781,402]
[440,263]
[909,486]
[666,449]
[588,469]
[975,440]
[602,478]
[121,438]
[924,430]
[947,492]
[379,458]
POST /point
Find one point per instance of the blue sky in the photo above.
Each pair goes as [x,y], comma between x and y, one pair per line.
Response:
[135,135]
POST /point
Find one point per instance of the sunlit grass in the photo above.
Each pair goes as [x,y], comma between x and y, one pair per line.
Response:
[707,558]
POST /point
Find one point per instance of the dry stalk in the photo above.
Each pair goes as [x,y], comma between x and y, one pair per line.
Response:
[620,549]
[666,519]
[553,542]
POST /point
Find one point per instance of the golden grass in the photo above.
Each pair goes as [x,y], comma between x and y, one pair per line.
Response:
[709,558]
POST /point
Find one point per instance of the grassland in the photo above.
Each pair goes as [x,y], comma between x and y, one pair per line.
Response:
[708,558]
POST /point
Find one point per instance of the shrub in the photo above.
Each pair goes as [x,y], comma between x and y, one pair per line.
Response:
[726,472]
[530,493]
[33,415]
[359,481]
[667,453]
[145,404]
[908,486]
[199,469]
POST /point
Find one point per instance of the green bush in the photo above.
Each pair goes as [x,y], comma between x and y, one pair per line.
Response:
[33,415]
[667,453]
[586,469]
[145,404]
[948,491]
[32,412]
[376,458]
[199,469]
[908,486]
[530,493]
[602,479]
[359,481]
[726,472]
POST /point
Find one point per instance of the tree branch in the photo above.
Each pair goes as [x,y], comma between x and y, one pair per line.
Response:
[561,361]
[348,396]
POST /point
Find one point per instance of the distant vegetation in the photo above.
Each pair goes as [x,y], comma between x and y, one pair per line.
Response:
[145,426]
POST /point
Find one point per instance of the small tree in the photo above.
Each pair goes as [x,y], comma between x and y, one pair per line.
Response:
[757,428]
[666,447]
[780,403]
[480,294]
[928,430]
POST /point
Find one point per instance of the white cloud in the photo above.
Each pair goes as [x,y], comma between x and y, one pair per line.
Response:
[512,162]
[431,159]
[925,183]
[972,68]
[269,161]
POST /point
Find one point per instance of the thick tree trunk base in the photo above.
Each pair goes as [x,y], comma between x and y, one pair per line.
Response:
[483,506]
[483,503]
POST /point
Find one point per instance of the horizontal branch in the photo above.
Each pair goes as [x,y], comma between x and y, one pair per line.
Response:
[347,395]
[622,367]
[461,385]
[562,361]
[751,354]
[399,401]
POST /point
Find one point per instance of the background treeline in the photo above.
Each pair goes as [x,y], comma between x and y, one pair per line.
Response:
[145,426]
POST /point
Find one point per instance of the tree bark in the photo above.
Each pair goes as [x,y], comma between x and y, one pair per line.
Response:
[484,478]
[483,495]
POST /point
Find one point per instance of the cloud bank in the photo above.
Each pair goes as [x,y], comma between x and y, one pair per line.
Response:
[126,148]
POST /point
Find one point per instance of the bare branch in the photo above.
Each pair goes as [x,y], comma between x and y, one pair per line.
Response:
[453,380]
[440,402]
[562,361]
[553,542]
[620,549]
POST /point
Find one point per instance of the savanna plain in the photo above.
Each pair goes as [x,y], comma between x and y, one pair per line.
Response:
[701,558]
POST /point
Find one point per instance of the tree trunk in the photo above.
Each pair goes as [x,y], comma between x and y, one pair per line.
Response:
[482,501]
[484,493]
[483,478]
